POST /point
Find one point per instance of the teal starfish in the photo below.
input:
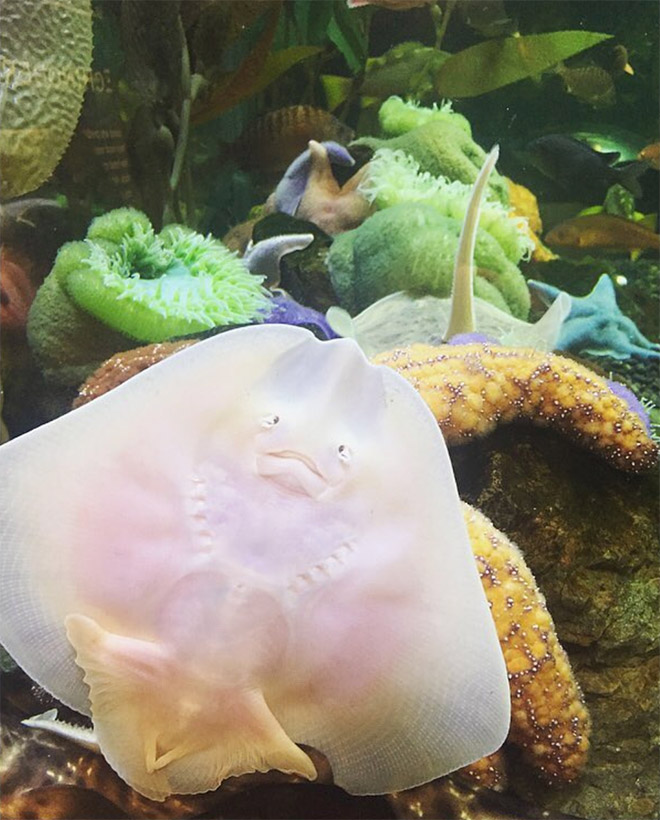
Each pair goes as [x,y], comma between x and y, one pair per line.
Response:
[596,325]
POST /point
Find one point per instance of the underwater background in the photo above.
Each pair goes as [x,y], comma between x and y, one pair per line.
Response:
[158,186]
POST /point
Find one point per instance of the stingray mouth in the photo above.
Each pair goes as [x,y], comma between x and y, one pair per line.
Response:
[294,471]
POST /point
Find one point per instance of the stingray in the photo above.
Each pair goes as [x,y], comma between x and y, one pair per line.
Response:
[256,543]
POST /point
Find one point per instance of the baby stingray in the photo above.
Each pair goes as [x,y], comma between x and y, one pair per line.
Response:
[254,544]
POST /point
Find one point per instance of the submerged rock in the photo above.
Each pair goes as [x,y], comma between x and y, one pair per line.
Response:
[590,535]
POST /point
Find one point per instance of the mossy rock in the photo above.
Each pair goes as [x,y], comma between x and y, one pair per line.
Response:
[590,535]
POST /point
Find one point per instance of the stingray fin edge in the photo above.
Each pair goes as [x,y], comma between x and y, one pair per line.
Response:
[165,733]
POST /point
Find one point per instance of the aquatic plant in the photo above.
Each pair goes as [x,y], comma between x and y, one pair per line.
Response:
[46,56]
[501,61]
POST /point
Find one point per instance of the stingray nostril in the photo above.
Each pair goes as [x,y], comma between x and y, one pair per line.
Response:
[344,453]
[270,421]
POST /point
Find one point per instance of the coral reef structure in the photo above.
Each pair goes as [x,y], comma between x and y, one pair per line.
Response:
[474,387]
[46,52]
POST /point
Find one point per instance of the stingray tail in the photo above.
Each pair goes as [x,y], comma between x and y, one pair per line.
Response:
[167,733]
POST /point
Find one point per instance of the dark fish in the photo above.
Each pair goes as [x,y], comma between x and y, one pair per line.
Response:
[579,169]
[488,17]
[272,142]
[619,60]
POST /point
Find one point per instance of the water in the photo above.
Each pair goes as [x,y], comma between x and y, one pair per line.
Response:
[191,113]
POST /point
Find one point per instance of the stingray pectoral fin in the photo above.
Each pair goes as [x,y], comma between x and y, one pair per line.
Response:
[166,732]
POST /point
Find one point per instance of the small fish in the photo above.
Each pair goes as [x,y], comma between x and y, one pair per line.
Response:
[591,84]
[603,231]
[619,60]
[651,155]
[488,17]
[580,169]
[272,142]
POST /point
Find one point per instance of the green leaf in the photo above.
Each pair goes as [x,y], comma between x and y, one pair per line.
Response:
[347,32]
[496,63]
[320,15]
[336,90]
[281,61]
[408,69]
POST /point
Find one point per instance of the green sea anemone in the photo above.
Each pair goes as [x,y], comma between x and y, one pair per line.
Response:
[155,286]
[395,177]
[125,283]
[397,116]
[438,139]
[412,247]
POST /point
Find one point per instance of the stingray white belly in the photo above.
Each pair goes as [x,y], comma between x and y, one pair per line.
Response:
[255,543]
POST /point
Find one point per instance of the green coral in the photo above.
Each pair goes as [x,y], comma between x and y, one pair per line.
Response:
[125,283]
[397,116]
[411,247]
[395,177]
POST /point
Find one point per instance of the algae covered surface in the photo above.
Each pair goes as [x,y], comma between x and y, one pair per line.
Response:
[590,535]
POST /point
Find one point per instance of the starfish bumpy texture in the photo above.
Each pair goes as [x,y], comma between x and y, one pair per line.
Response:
[549,720]
[472,388]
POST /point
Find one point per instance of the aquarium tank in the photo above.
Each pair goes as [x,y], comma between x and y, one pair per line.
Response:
[329,394]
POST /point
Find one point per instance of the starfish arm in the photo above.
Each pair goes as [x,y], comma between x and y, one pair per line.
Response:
[549,720]
[472,388]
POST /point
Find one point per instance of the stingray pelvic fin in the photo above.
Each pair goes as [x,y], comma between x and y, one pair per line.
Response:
[163,730]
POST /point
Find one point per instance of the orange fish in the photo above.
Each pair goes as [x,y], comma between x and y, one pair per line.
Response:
[603,231]
[651,154]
